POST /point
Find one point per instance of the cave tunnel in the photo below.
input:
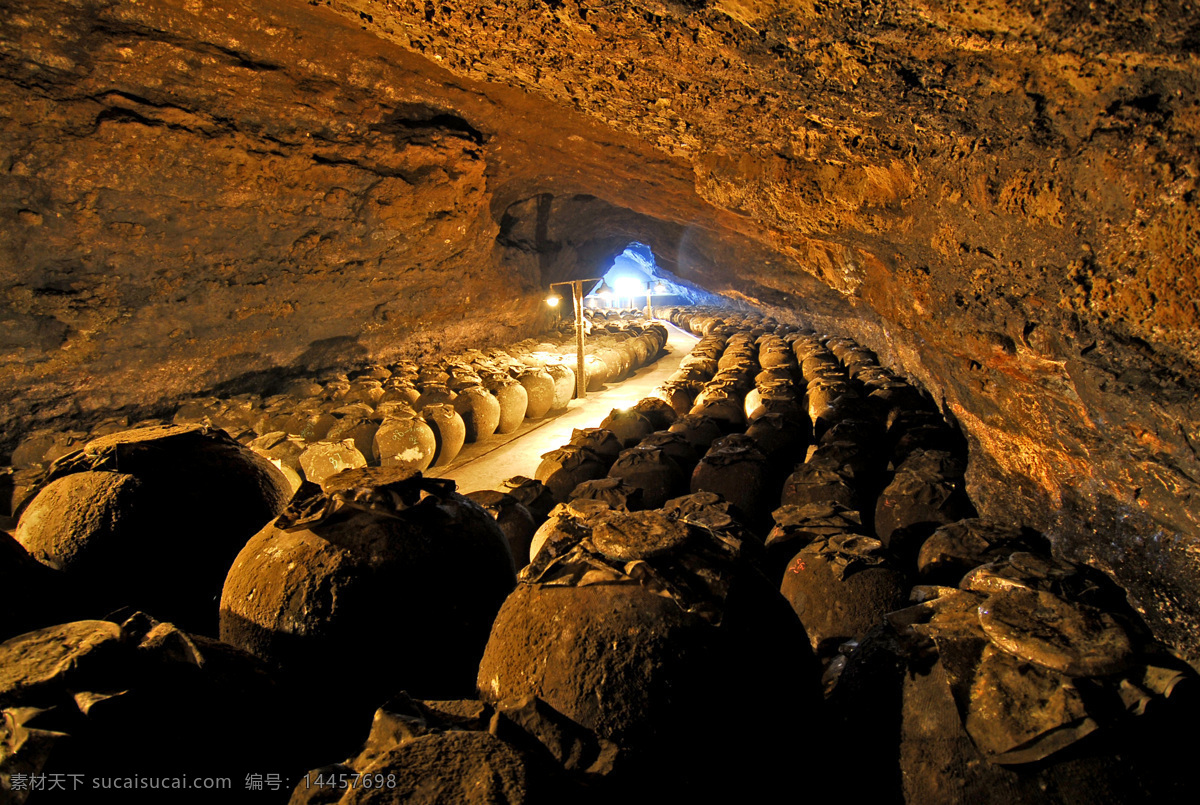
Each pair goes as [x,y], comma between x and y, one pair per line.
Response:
[634,279]
[308,495]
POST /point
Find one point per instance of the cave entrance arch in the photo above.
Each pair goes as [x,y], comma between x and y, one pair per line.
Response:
[636,281]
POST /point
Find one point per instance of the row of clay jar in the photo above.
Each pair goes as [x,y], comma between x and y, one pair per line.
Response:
[406,414]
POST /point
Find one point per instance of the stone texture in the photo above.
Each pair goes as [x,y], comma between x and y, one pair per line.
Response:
[151,518]
[997,199]
[113,700]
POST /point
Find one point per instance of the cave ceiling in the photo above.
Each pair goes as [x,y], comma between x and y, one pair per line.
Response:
[998,197]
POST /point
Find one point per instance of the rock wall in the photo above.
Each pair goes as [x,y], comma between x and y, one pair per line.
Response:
[1004,193]
[197,194]
[998,197]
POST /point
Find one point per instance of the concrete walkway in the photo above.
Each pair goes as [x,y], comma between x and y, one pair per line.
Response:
[486,464]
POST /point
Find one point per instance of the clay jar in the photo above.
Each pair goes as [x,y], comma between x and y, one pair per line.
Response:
[726,411]
[434,394]
[980,713]
[360,430]
[514,519]
[539,388]
[781,440]
[676,446]
[372,372]
[858,359]
[690,374]
[513,399]
[679,394]
[629,357]
[429,759]
[462,376]
[797,526]
[480,411]
[706,364]
[383,583]
[653,471]
[322,459]
[405,441]
[567,524]
[778,390]
[336,388]
[840,587]
[600,441]
[727,388]
[366,390]
[777,374]
[806,346]
[284,452]
[660,414]
[700,431]
[431,374]
[617,363]
[628,425]
[612,492]
[821,396]
[820,363]
[955,549]
[648,346]
[311,426]
[33,448]
[152,518]
[711,511]
[738,472]
[925,493]
[449,431]
[169,700]
[932,436]
[739,358]
[400,391]
[533,494]
[776,357]
[817,482]
[597,371]
[564,385]
[563,469]
[644,667]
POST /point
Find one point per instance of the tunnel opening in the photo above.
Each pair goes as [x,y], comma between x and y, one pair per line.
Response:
[632,281]
[635,279]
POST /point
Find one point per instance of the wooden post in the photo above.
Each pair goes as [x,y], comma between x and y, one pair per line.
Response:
[580,377]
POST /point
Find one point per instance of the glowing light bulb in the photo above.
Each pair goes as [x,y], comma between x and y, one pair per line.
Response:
[628,286]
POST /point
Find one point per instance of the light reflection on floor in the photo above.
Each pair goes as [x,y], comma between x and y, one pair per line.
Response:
[485,464]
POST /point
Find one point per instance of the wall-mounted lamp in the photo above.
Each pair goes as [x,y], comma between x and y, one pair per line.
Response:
[657,288]
[553,299]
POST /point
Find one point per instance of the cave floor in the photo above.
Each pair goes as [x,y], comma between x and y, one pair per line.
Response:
[486,464]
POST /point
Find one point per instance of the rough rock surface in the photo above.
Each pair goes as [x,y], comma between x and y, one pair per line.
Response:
[997,198]
[119,701]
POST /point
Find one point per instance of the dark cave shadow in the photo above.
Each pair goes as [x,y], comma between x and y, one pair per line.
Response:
[323,354]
